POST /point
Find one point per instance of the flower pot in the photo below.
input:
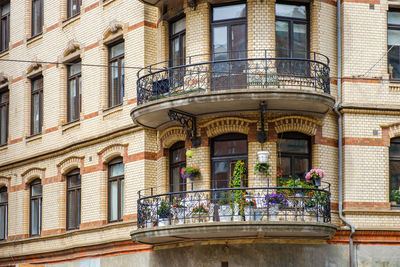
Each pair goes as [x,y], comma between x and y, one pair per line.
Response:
[237,216]
[149,223]
[258,214]
[163,221]
[248,213]
[317,182]
[192,176]
[262,156]
[199,217]
[225,213]
[273,212]
[180,215]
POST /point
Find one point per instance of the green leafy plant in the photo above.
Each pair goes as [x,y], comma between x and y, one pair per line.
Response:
[316,198]
[177,204]
[261,167]
[250,203]
[224,199]
[200,209]
[395,196]
[164,210]
[239,175]
[190,172]
[293,183]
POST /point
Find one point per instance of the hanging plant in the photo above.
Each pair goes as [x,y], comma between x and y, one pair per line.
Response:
[261,167]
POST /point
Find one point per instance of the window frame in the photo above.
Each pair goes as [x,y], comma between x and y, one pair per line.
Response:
[41,15]
[78,105]
[5,105]
[39,198]
[77,209]
[5,205]
[117,96]
[34,92]
[182,164]
[182,39]
[111,179]
[70,14]
[395,27]
[7,19]
[395,140]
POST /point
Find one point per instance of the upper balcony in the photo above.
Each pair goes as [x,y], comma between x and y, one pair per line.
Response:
[233,84]
[233,213]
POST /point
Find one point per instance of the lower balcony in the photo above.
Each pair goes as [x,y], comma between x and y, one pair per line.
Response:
[234,213]
[234,85]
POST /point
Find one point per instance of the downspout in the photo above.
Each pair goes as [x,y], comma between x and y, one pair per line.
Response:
[340,134]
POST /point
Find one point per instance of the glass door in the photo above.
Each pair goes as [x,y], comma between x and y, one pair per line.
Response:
[177,161]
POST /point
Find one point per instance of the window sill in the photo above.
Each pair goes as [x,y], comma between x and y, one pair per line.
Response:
[33,138]
[107,2]
[70,126]
[112,112]
[34,39]
[70,20]
[3,147]
[5,52]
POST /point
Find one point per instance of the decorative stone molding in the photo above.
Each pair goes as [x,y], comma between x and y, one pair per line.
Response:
[3,79]
[393,129]
[5,181]
[72,47]
[113,28]
[170,136]
[69,164]
[112,151]
[34,68]
[227,125]
[296,124]
[31,174]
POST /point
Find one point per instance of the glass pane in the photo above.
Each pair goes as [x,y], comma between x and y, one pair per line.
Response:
[393,62]
[230,147]
[291,11]
[239,41]
[122,80]
[37,84]
[285,165]
[293,146]
[5,9]
[3,124]
[175,52]
[73,98]
[176,179]
[282,38]
[71,209]
[393,37]
[117,50]
[179,25]
[36,190]
[114,201]
[220,178]
[74,180]
[394,150]
[78,211]
[4,97]
[3,197]
[300,167]
[117,169]
[36,114]
[114,83]
[36,17]
[34,217]
[220,43]
[2,222]
[122,198]
[394,170]
[229,12]
[178,155]
[393,17]
[74,69]
[299,40]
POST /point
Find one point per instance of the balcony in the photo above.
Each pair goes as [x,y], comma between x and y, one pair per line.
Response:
[233,85]
[234,213]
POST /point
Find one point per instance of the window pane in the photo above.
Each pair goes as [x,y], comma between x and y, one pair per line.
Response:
[122,198]
[230,147]
[71,209]
[394,170]
[3,219]
[122,91]
[117,169]
[394,150]
[282,38]
[299,40]
[3,124]
[117,50]
[73,99]
[300,167]
[74,69]
[175,52]
[179,26]
[4,97]
[221,174]
[36,114]
[3,197]
[5,9]
[178,155]
[114,83]
[176,179]
[294,146]
[37,84]
[74,180]
[239,41]
[36,190]
[285,165]
[393,17]
[36,17]
[114,201]
[291,11]
[34,217]
[229,12]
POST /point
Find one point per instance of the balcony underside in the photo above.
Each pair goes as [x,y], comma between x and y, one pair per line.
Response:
[154,114]
[233,230]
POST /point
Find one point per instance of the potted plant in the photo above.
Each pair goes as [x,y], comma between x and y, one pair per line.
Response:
[262,156]
[314,204]
[315,176]
[179,211]
[200,213]
[261,167]
[190,172]
[164,213]
[249,206]
[239,175]
[395,197]
[274,201]
[224,209]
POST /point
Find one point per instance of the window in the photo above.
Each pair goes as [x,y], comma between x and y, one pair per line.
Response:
[4,26]
[294,152]
[116,74]
[74,92]
[394,165]
[394,44]
[225,151]
[3,213]
[115,190]
[73,199]
[229,41]
[36,105]
[35,207]
[177,41]
[177,161]
[37,17]
[291,29]
[4,102]
[73,7]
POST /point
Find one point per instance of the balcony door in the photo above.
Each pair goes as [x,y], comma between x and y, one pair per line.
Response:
[177,161]
[229,42]
[227,149]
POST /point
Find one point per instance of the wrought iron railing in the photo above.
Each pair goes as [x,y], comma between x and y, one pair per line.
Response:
[262,70]
[273,204]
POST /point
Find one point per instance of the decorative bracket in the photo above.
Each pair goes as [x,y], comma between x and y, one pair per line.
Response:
[262,136]
[188,122]
[192,4]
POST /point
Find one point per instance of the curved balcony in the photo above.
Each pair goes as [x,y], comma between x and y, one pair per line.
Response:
[234,213]
[233,85]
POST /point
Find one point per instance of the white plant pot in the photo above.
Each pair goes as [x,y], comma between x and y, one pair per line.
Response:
[248,213]
[262,156]
[237,217]
[258,215]
[180,215]
[163,221]
[273,213]
[149,223]
[225,213]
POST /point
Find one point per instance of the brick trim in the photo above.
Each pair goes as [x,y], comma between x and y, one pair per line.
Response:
[132,101]
[91,46]
[92,224]
[14,141]
[14,45]
[90,115]
[358,141]
[296,124]
[50,180]
[141,156]
[129,217]
[52,129]
[373,2]
[16,237]
[326,141]
[170,136]
[16,79]
[49,66]
[360,80]
[367,205]
[92,6]
[367,237]
[141,24]
[52,27]
[53,231]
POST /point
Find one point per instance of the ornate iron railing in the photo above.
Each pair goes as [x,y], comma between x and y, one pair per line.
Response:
[260,71]
[274,204]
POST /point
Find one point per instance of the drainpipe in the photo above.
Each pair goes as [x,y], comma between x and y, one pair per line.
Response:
[340,134]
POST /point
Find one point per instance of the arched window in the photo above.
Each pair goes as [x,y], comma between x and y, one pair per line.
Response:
[3,212]
[115,190]
[73,199]
[394,167]
[177,161]
[225,151]
[35,207]
[294,152]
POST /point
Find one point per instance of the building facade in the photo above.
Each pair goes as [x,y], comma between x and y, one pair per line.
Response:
[103,103]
